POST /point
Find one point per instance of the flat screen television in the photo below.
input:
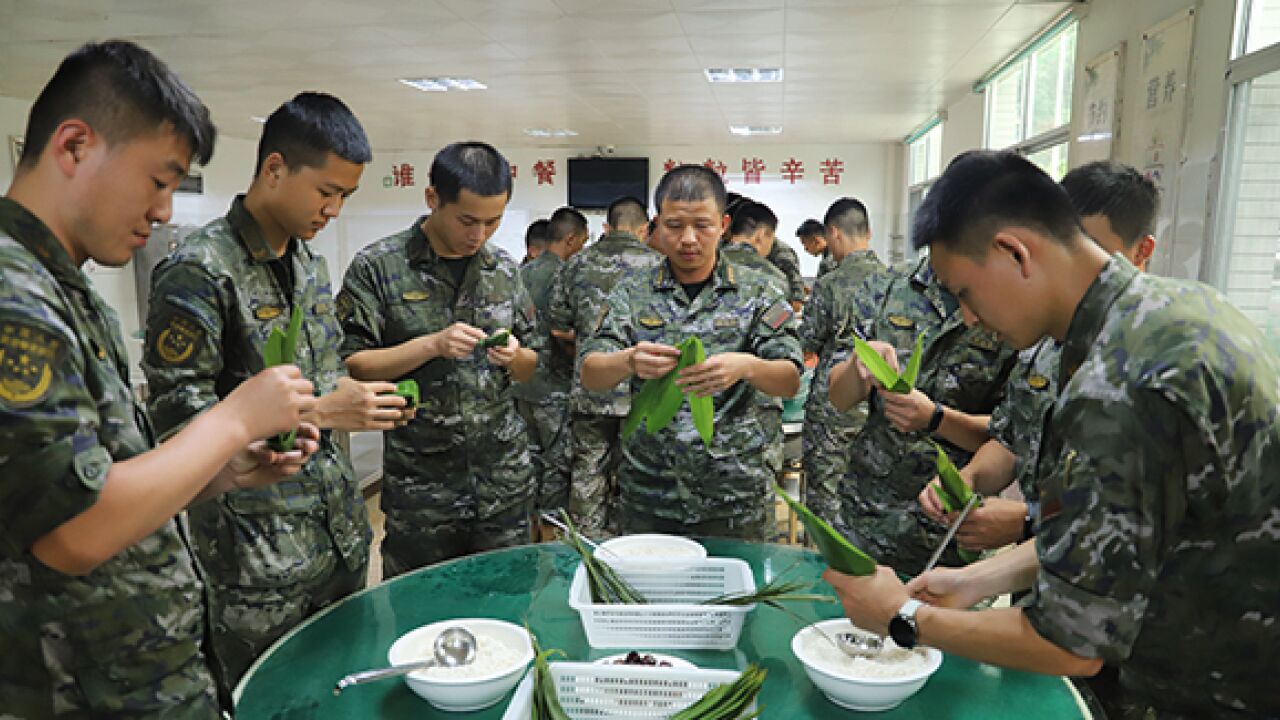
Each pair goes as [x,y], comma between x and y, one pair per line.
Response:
[594,183]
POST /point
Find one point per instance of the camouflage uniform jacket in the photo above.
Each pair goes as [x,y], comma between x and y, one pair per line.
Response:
[827,330]
[214,302]
[739,310]
[963,368]
[124,638]
[466,454]
[786,260]
[1018,420]
[827,263]
[744,255]
[577,297]
[551,381]
[1160,508]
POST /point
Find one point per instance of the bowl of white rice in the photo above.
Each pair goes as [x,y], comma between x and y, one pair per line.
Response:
[503,651]
[876,683]
[651,547]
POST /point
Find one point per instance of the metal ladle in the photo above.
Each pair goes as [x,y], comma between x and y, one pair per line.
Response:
[453,647]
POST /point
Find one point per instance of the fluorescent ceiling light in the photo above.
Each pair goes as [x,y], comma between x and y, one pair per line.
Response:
[549,132]
[755,129]
[747,75]
[443,84]
[257,118]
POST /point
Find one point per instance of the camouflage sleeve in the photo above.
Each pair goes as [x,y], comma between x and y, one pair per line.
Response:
[815,326]
[560,304]
[52,466]
[359,309]
[181,356]
[789,263]
[774,334]
[1105,507]
[1001,427]
[527,324]
[612,327]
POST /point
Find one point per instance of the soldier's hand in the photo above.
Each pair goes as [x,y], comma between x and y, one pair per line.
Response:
[907,412]
[356,405]
[456,341]
[945,587]
[653,360]
[715,374]
[257,465]
[930,503]
[886,351]
[869,601]
[995,523]
[505,354]
[271,402]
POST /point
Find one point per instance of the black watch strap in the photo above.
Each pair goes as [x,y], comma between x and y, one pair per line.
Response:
[1029,521]
[935,422]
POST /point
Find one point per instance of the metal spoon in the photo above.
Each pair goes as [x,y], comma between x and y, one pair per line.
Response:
[855,645]
[453,647]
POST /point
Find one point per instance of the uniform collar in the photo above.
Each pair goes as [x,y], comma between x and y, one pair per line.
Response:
[551,258]
[250,233]
[30,232]
[1086,323]
[722,277]
[867,254]
[421,252]
[926,282]
[620,238]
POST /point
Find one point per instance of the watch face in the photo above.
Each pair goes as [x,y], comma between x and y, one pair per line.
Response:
[902,632]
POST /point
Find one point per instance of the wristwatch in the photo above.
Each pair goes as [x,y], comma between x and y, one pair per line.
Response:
[935,422]
[902,627]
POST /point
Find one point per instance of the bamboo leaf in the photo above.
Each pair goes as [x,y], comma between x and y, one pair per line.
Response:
[839,553]
[957,491]
[879,367]
[289,349]
[281,349]
[668,402]
[703,408]
[497,339]
[408,389]
[913,365]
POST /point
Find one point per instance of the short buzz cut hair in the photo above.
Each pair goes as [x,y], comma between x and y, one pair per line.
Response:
[474,166]
[122,91]
[1118,192]
[536,234]
[307,128]
[565,222]
[983,191]
[750,217]
[811,227]
[848,215]
[626,212]
[690,183]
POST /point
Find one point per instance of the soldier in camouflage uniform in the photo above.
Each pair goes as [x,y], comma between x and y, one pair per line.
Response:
[535,241]
[670,481]
[1155,546]
[752,235]
[830,318]
[543,402]
[577,298]
[813,237]
[962,377]
[786,260]
[458,479]
[274,556]
[101,604]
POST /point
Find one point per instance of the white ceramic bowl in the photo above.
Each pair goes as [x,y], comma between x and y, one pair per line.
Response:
[652,547]
[861,693]
[462,694]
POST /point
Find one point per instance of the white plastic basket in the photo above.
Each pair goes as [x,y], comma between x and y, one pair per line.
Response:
[595,692]
[673,619]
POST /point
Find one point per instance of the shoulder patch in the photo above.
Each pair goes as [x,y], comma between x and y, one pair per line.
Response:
[267,312]
[344,305]
[176,343]
[1038,381]
[725,322]
[901,321]
[777,314]
[651,321]
[28,355]
[415,295]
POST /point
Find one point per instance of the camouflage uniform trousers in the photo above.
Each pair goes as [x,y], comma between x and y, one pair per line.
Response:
[597,451]
[551,446]
[900,536]
[825,461]
[245,620]
[417,540]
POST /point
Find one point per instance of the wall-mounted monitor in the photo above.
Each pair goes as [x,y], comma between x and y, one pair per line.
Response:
[594,183]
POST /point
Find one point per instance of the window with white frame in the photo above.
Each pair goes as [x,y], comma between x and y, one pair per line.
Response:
[1244,255]
[1028,99]
[925,156]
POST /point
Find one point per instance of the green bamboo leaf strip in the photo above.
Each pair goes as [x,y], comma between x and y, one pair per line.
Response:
[727,702]
[839,553]
[408,389]
[546,703]
[703,408]
[879,367]
[281,349]
[605,584]
[497,339]
[913,365]
[953,486]
[641,405]
[668,402]
[943,497]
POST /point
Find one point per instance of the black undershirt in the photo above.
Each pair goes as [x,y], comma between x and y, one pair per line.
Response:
[693,289]
[457,268]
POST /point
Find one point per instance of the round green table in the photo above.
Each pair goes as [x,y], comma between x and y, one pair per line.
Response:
[295,678]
